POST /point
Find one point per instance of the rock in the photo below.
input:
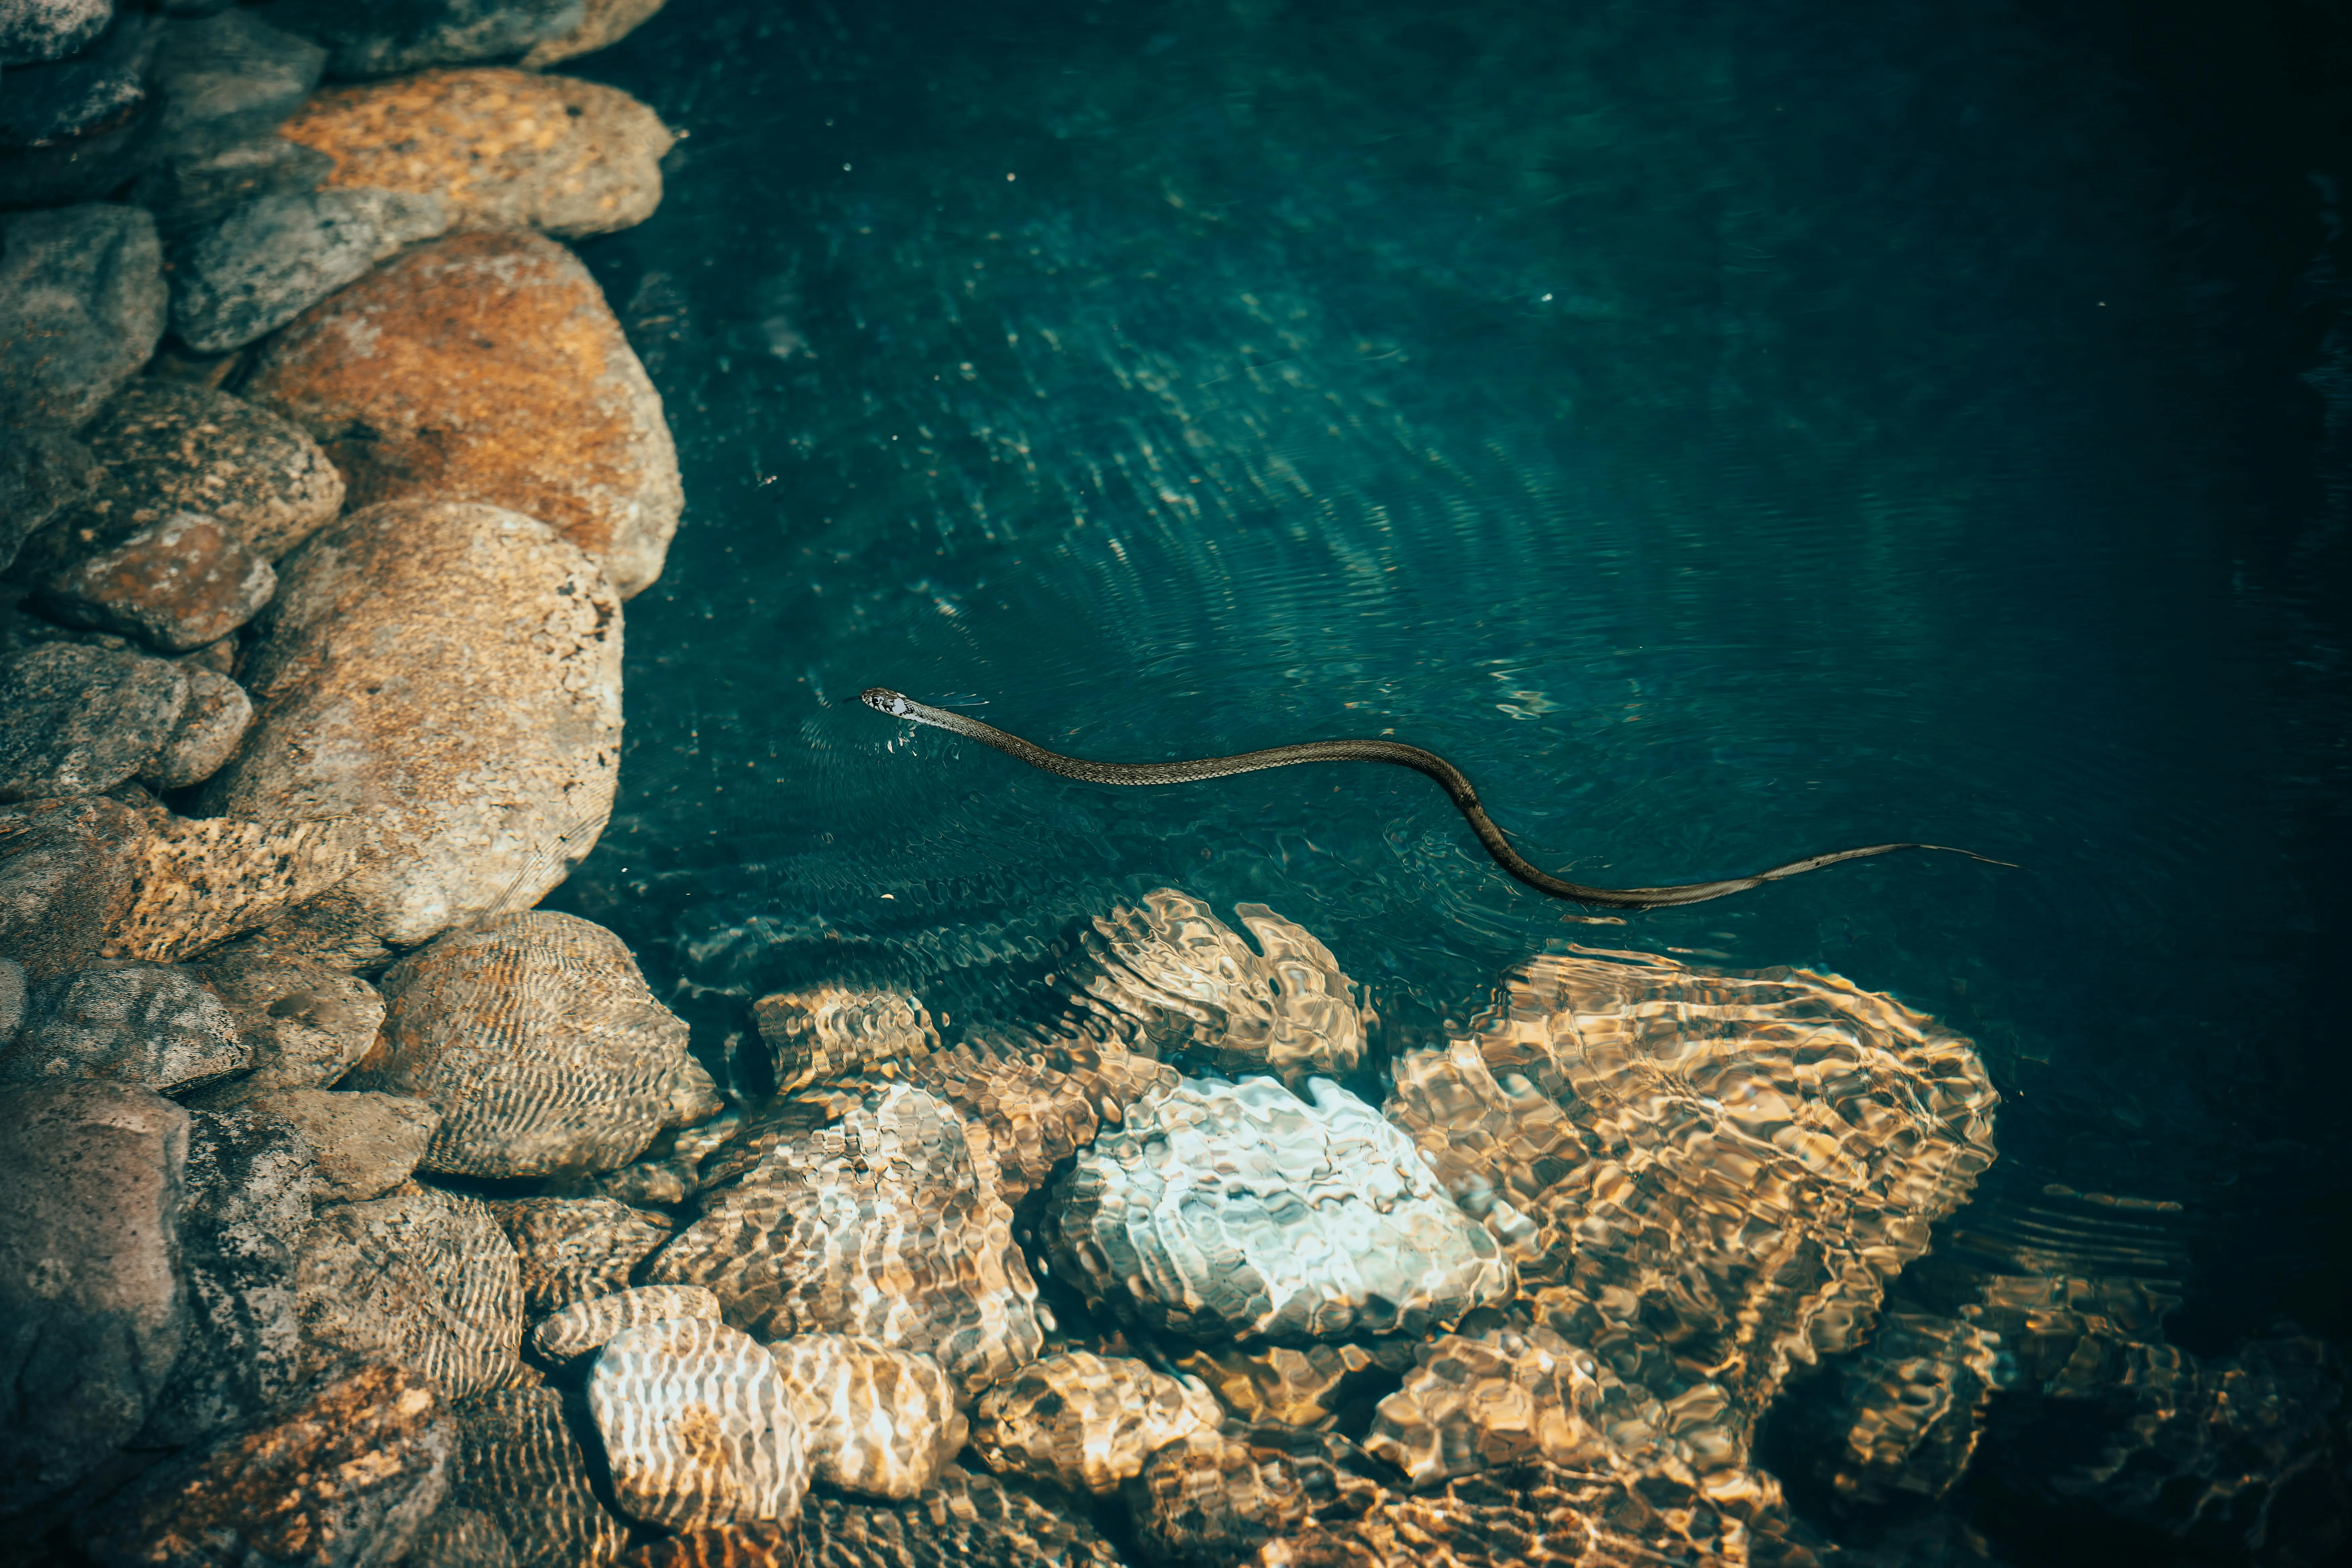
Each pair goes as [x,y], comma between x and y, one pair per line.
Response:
[758,1543]
[223,79]
[77,720]
[424,1279]
[1038,1100]
[185,197]
[82,302]
[453,672]
[1087,1422]
[504,148]
[831,1032]
[247,1208]
[589,1325]
[536,1038]
[698,1427]
[876,1421]
[966,1517]
[1285,1386]
[34,30]
[196,883]
[605,23]
[1908,1409]
[574,1249]
[178,584]
[343,1479]
[42,472]
[1211,1497]
[669,1174]
[554,416]
[268,261]
[517,1463]
[145,1024]
[92,1312]
[1239,1209]
[384,41]
[67,871]
[461,1538]
[165,447]
[12,999]
[1491,1401]
[210,727]
[74,128]
[888,1225]
[363,1145]
[306,1023]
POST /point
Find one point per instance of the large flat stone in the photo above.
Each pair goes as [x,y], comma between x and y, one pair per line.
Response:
[270,260]
[148,1024]
[224,78]
[423,1279]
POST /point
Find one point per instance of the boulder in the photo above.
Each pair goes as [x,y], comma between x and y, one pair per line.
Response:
[698,1427]
[74,128]
[452,673]
[147,1024]
[79,721]
[518,1462]
[486,367]
[877,1421]
[604,24]
[68,868]
[504,148]
[1087,1422]
[42,472]
[536,1038]
[226,79]
[361,1145]
[82,303]
[422,1279]
[268,261]
[36,30]
[1295,1385]
[575,1249]
[306,1021]
[186,197]
[92,1310]
[208,732]
[587,1326]
[383,40]
[197,882]
[178,582]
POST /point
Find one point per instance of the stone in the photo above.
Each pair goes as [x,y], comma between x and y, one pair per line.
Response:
[186,197]
[147,1024]
[67,873]
[92,1310]
[833,1032]
[1037,1097]
[422,1279]
[518,1462]
[1222,1209]
[82,302]
[504,148]
[271,259]
[12,999]
[210,729]
[757,1543]
[1290,1385]
[245,1210]
[74,128]
[306,1021]
[1908,1409]
[34,30]
[670,1169]
[165,445]
[535,1036]
[385,40]
[363,1145]
[586,1326]
[1087,1422]
[876,1421]
[42,472]
[461,1538]
[195,883]
[698,1427]
[888,1225]
[1491,1401]
[79,721]
[344,1477]
[965,1517]
[223,79]
[1213,1496]
[452,673]
[574,1249]
[604,24]
[179,582]
[486,367]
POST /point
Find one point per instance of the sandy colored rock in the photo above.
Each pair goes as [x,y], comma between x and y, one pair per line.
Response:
[167,445]
[965,1517]
[364,1144]
[576,1248]
[197,881]
[1490,1401]
[876,1421]
[210,727]
[505,148]
[590,1325]
[1087,1422]
[755,1543]
[1039,1098]
[830,1032]
[149,1023]
[1290,1386]
[306,1021]
[518,1462]
[486,367]
[697,1425]
[451,673]
[423,1278]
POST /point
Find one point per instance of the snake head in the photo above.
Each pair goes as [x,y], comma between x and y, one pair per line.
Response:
[882,700]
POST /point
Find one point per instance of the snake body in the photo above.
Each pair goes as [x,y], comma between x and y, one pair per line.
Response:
[1428,763]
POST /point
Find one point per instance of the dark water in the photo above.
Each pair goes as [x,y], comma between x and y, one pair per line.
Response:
[1729,429]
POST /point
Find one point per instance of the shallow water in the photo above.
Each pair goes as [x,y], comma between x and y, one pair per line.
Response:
[1727,431]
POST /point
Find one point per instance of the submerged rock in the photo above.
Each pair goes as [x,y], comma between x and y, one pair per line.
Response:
[964,1517]
[876,1421]
[1490,1401]
[698,1427]
[589,1325]
[1039,1099]
[602,24]
[224,79]
[757,1543]
[210,729]
[79,721]
[1290,1386]
[270,260]
[363,1145]
[34,30]
[1239,1209]
[423,1278]
[372,40]
[81,304]
[75,128]
[147,1024]
[829,1033]
[461,1538]
[1087,1422]
[306,1023]
[575,1250]
[517,1463]
[42,473]
[186,197]
[177,584]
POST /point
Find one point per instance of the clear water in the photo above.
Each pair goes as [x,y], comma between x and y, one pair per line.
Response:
[1729,429]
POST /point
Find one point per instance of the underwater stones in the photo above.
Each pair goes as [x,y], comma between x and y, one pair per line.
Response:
[517,1461]
[1038,1100]
[81,305]
[426,1279]
[78,720]
[210,727]
[876,1421]
[376,40]
[1288,1385]
[146,1024]
[830,1032]
[1213,1495]
[486,367]
[698,1425]
[588,1325]
[601,24]
[1224,1209]
[271,259]
[92,1310]
[756,1544]
[196,882]
[888,1225]
[186,197]
[536,1038]
[576,1248]
[75,128]
[1087,1422]
[1908,1409]
[66,879]
[1489,1400]
[504,148]
[344,1477]
[364,1144]
[32,30]
[451,673]
[177,584]
[41,473]
[461,1538]
[224,78]
[963,1516]
[1193,986]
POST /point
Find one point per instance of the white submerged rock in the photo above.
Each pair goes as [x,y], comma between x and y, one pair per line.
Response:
[698,1424]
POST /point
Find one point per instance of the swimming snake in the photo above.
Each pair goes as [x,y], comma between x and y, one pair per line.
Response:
[899,706]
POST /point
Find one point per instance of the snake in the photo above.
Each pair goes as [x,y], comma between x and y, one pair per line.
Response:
[1455,784]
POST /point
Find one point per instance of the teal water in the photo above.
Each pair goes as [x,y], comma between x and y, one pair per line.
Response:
[1728,431]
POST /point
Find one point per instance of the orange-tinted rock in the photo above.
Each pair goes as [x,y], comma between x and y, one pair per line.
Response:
[751,1543]
[486,367]
[504,148]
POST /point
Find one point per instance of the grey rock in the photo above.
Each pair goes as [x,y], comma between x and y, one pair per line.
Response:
[461,1538]
[12,999]
[164,446]
[41,472]
[574,1249]
[206,736]
[422,1279]
[178,582]
[67,871]
[518,1462]
[307,1021]
[92,1312]
[382,40]
[245,1210]
[606,23]
[82,302]
[78,720]
[188,196]
[73,130]
[32,30]
[363,1145]
[266,263]
[226,79]
[148,1024]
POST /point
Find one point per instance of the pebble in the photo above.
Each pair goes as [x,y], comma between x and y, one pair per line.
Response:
[34,30]
[186,197]
[831,1032]
[1087,1422]
[271,259]
[363,1144]
[604,23]
[306,1023]
[175,584]
[226,79]
[166,446]
[1490,1401]
[42,472]
[486,367]
[698,1427]
[964,1517]
[79,721]
[461,1538]
[1211,1497]
[371,40]
[757,1543]
[147,1024]
[877,1421]
[1293,1386]
[518,1462]
[575,1250]
[452,671]
[587,1326]
[210,727]
[422,1277]
[506,148]
[82,302]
